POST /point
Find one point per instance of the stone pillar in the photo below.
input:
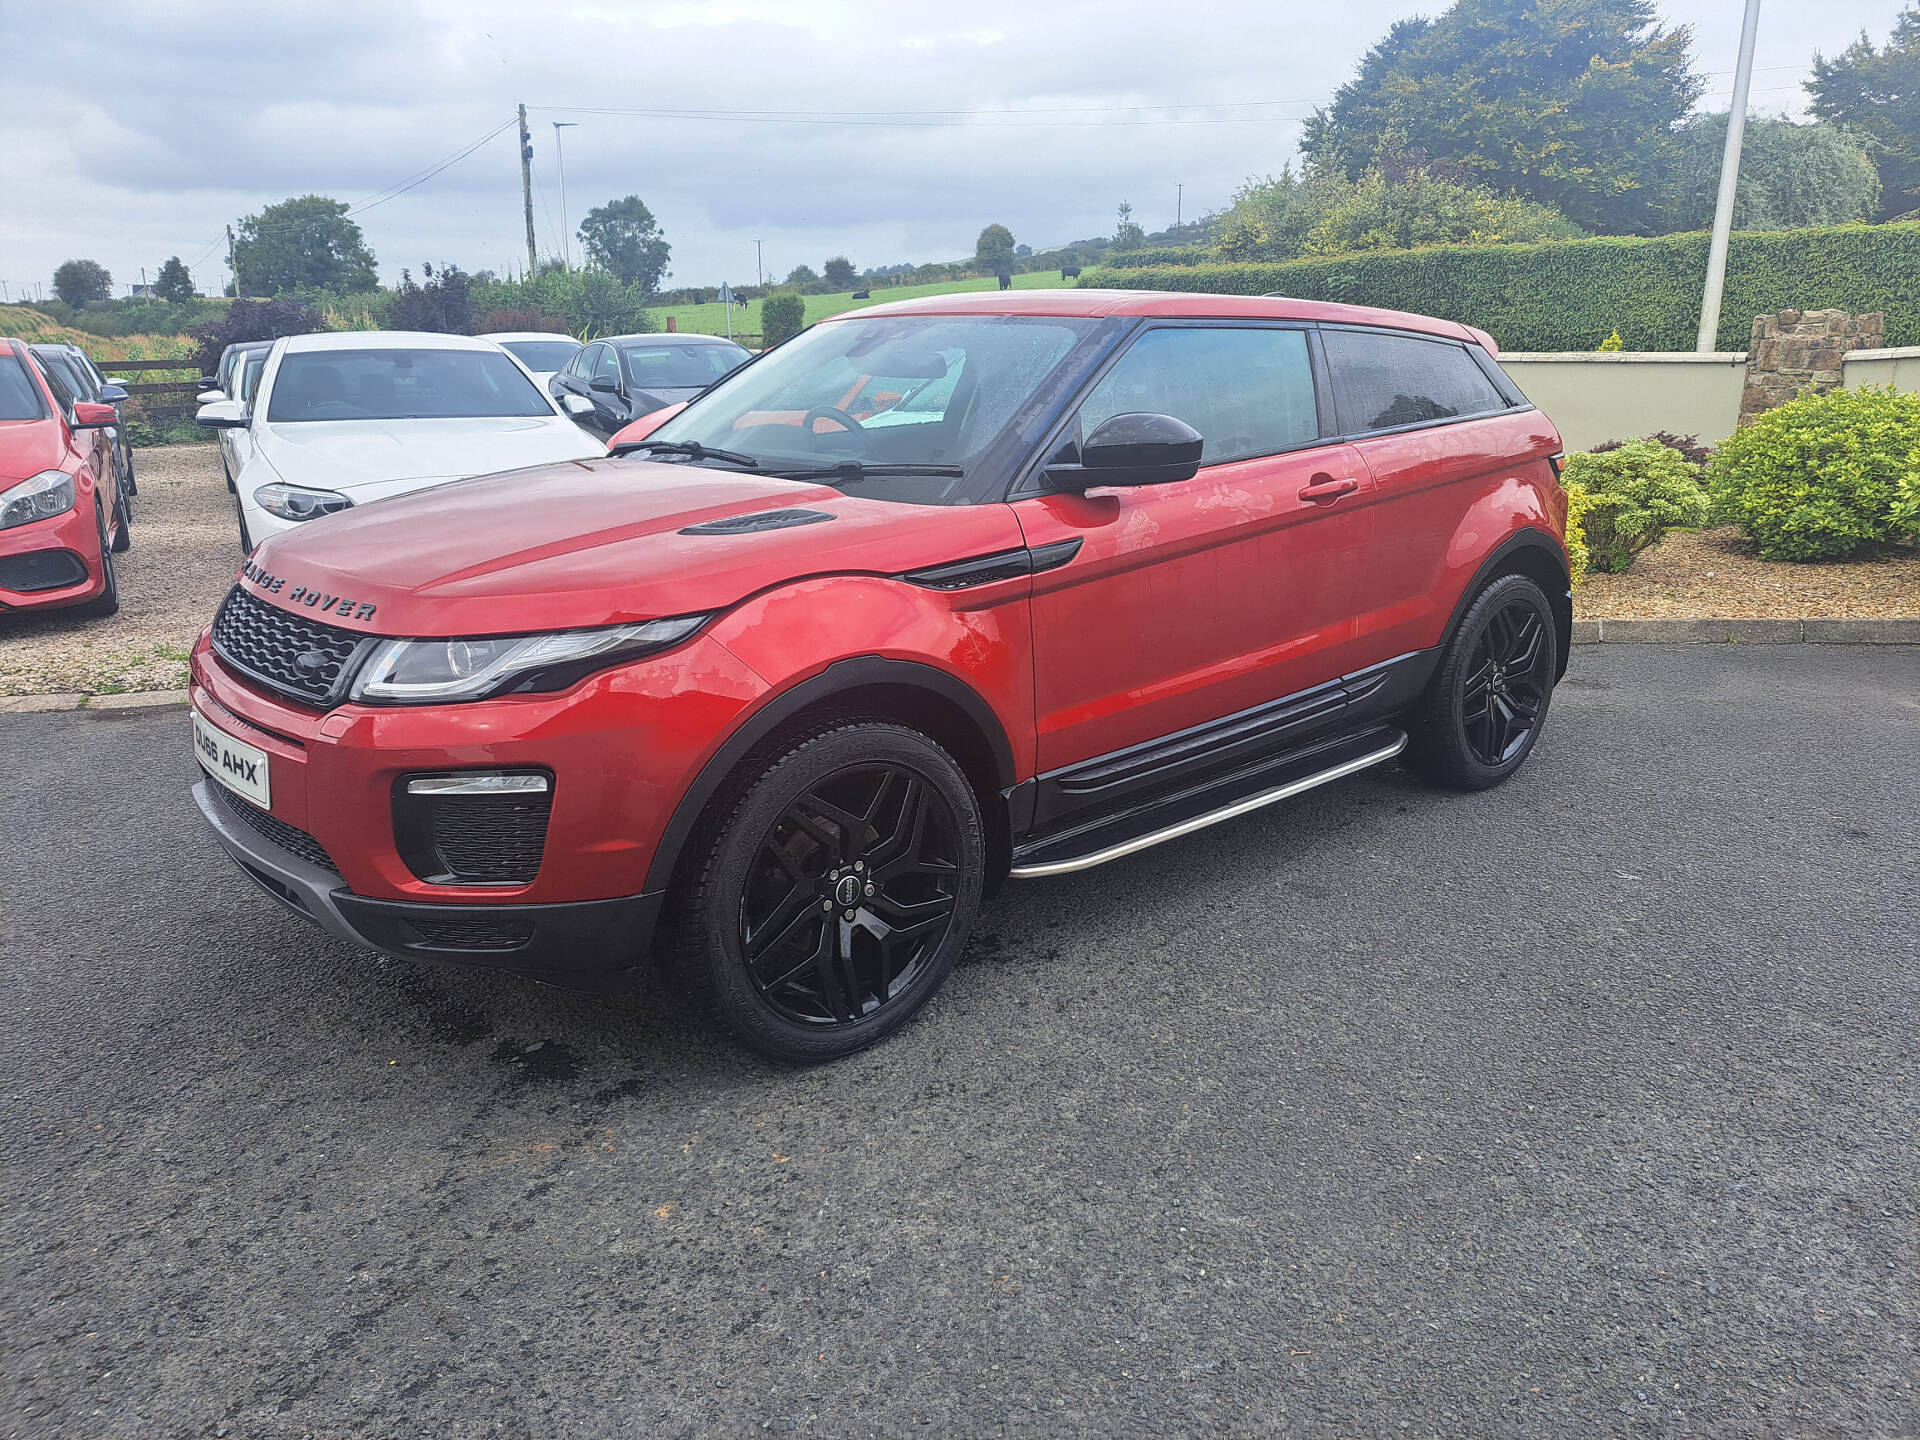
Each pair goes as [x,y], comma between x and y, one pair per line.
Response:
[1798,350]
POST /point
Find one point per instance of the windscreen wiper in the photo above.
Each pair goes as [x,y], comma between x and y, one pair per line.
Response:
[692,449]
[860,470]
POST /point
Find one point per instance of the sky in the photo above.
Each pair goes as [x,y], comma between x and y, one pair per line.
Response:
[888,133]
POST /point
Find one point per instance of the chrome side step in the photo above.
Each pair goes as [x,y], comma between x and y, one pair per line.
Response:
[1213,817]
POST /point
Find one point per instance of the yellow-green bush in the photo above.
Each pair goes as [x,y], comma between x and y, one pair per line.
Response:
[1578,503]
[1821,477]
[1634,495]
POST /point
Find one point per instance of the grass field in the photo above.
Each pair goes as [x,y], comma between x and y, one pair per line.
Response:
[712,319]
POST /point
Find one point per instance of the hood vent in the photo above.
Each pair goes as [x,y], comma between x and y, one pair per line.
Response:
[760,520]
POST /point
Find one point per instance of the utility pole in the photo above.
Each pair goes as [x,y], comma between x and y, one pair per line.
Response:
[1729,183]
[566,233]
[526,189]
[759,275]
[1179,208]
[234,265]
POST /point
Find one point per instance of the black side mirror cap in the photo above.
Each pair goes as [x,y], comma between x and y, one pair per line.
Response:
[604,385]
[1136,448]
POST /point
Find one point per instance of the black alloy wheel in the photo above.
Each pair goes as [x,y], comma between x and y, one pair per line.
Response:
[122,521]
[107,602]
[837,893]
[1482,711]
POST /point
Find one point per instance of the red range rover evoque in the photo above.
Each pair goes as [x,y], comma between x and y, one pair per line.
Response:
[937,593]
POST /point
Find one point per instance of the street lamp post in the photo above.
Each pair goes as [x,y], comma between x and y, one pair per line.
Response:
[1729,183]
[566,232]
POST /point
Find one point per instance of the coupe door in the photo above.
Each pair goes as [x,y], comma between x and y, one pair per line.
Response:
[1197,600]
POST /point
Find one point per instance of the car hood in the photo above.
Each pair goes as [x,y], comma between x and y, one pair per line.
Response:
[27,447]
[371,459]
[595,543]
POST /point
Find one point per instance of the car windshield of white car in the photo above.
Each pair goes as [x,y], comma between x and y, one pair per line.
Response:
[401,385]
[934,390]
[19,396]
[542,355]
[681,367]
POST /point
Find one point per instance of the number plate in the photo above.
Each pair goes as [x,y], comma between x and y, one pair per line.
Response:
[241,767]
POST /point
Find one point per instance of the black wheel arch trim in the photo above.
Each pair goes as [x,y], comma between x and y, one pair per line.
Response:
[842,677]
[1559,595]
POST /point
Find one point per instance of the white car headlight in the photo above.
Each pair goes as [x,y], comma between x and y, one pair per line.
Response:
[47,494]
[297,502]
[424,672]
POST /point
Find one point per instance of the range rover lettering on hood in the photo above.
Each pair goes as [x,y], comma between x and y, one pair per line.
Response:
[344,607]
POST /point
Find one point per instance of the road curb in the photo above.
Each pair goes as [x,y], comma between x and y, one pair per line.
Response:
[1752,631]
[135,700]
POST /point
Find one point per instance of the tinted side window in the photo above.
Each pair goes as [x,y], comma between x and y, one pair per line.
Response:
[606,363]
[63,395]
[1383,381]
[1248,392]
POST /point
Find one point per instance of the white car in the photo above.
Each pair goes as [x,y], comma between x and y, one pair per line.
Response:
[540,352]
[345,419]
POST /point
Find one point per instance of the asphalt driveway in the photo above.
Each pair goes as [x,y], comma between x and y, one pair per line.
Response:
[1586,1106]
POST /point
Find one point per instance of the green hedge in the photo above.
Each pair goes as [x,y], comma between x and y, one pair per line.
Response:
[1161,255]
[1572,294]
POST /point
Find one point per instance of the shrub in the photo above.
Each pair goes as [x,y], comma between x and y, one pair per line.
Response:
[443,305]
[1689,446]
[1571,294]
[1579,502]
[1820,477]
[1906,508]
[496,322]
[781,318]
[1612,345]
[252,320]
[1635,494]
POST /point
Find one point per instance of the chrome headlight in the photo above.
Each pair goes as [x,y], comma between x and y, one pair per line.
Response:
[425,672]
[297,502]
[47,494]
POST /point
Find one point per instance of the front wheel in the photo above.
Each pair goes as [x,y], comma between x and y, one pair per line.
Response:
[107,602]
[1482,711]
[831,895]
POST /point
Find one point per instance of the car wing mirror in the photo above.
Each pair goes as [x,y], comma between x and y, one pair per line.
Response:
[113,392]
[92,415]
[576,404]
[1137,448]
[606,385]
[222,414]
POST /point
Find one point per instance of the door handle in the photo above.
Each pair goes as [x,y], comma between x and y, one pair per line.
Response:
[1325,488]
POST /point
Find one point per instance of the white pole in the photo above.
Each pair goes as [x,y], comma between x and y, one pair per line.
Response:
[566,236]
[1729,182]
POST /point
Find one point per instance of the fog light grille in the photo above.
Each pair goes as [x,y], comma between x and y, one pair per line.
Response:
[473,836]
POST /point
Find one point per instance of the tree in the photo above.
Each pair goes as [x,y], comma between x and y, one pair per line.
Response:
[1877,93]
[782,317]
[443,305]
[1790,175]
[623,239]
[252,320]
[79,281]
[1566,102]
[838,272]
[801,275]
[1127,234]
[173,283]
[306,242]
[993,251]
[1382,212]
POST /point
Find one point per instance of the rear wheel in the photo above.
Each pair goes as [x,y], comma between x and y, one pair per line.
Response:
[107,602]
[122,520]
[1482,711]
[833,892]
[240,514]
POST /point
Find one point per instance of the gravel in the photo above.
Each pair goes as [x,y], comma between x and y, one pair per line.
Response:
[1714,574]
[186,550]
[1583,1107]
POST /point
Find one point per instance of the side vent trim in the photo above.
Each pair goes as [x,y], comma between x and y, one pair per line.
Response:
[757,521]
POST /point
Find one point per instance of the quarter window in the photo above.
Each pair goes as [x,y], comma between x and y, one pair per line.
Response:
[606,364]
[1381,382]
[1248,392]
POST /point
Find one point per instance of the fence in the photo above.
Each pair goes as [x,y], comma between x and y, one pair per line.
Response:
[153,395]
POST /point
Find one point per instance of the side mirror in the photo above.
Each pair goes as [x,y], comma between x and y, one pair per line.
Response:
[208,397]
[576,405]
[222,414]
[209,382]
[606,385]
[1137,448]
[113,392]
[91,415]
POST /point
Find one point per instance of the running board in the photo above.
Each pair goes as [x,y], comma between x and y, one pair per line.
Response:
[1208,805]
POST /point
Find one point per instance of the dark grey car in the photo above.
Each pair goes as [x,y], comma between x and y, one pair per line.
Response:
[613,382]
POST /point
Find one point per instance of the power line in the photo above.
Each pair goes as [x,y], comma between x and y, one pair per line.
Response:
[695,112]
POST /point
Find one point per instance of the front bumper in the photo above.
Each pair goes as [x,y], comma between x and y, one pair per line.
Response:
[580,945]
[51,562]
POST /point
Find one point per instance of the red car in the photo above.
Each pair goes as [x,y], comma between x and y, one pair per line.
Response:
[934,594]
[62,513]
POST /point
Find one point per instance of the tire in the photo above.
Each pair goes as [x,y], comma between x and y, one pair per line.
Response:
[126,469]
[240,514]
[1482,712]
[785,862]
[122,522]
[232,489]
[107,602]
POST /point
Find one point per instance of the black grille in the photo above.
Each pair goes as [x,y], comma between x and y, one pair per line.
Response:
[290,838]
[472,839]
[41,570]
[471,933]
[269,645]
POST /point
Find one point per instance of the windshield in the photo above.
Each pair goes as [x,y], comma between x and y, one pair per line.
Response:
[401,385]
[677,367]
[19,396]
[908,390]
[542,354]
